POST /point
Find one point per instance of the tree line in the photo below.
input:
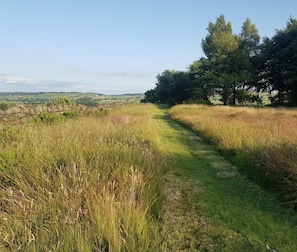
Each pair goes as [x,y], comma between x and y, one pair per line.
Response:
[236,68]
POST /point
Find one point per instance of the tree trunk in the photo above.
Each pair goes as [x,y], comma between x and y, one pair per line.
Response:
[234,94]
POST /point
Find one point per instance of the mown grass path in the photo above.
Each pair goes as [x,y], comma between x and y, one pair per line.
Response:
[209,206]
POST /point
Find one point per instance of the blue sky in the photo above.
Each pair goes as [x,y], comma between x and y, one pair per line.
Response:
[114,47]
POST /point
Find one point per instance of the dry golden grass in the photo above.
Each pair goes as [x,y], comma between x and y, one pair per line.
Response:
[90,184]
[236,128]
[265,139]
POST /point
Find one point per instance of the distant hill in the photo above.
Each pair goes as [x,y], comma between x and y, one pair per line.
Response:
[43,97]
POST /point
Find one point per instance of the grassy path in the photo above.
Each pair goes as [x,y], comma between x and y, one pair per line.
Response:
[210,207]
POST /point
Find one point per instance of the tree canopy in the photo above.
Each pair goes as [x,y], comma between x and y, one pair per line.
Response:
[236,67]
[280,63]
[171,88]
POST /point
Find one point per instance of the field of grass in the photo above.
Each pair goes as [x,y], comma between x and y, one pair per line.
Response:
[87,184]
[262,141]
[129,180]
[210,206]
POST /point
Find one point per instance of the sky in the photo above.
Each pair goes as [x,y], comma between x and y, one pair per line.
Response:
[115,47]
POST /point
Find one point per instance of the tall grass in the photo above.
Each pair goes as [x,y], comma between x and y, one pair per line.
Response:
[90,184]
[264,140]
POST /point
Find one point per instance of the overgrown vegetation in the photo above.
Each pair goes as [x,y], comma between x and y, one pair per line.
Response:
[50,117]
[47,117]
[70,114]
[131,180]
[210,206]
[263,142]
[61,101]
[6,105]
[89,185]
[87,101]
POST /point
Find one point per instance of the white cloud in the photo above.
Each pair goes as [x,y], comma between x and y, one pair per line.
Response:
[106,83]
[20,80]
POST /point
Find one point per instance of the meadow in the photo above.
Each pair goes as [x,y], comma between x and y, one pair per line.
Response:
[132,179]
[87,184]
[261,141]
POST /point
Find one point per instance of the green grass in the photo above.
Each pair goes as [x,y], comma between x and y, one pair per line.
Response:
[227,211]
[262,142]
[132,180]
[90,184]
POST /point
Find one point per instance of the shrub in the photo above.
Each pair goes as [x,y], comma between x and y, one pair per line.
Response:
[87,101]
[61,101]
[70,114]
[47,117]
[5,105]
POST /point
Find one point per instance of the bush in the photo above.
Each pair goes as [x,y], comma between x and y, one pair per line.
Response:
[61,101]
[87,101]
[47,117]
[5,105]
[70,114]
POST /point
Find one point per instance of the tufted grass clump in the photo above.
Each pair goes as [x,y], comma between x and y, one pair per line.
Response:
[92,184]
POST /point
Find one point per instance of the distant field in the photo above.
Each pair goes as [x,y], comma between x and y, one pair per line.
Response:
[43,97]
[265,98]
[262,141]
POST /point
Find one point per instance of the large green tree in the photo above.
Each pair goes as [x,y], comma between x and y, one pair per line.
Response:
[201,89]
[243,60]
[279,64]
[218,45]
[235,64]
[172,87]
[249,38]
[220,40]
[229,67]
